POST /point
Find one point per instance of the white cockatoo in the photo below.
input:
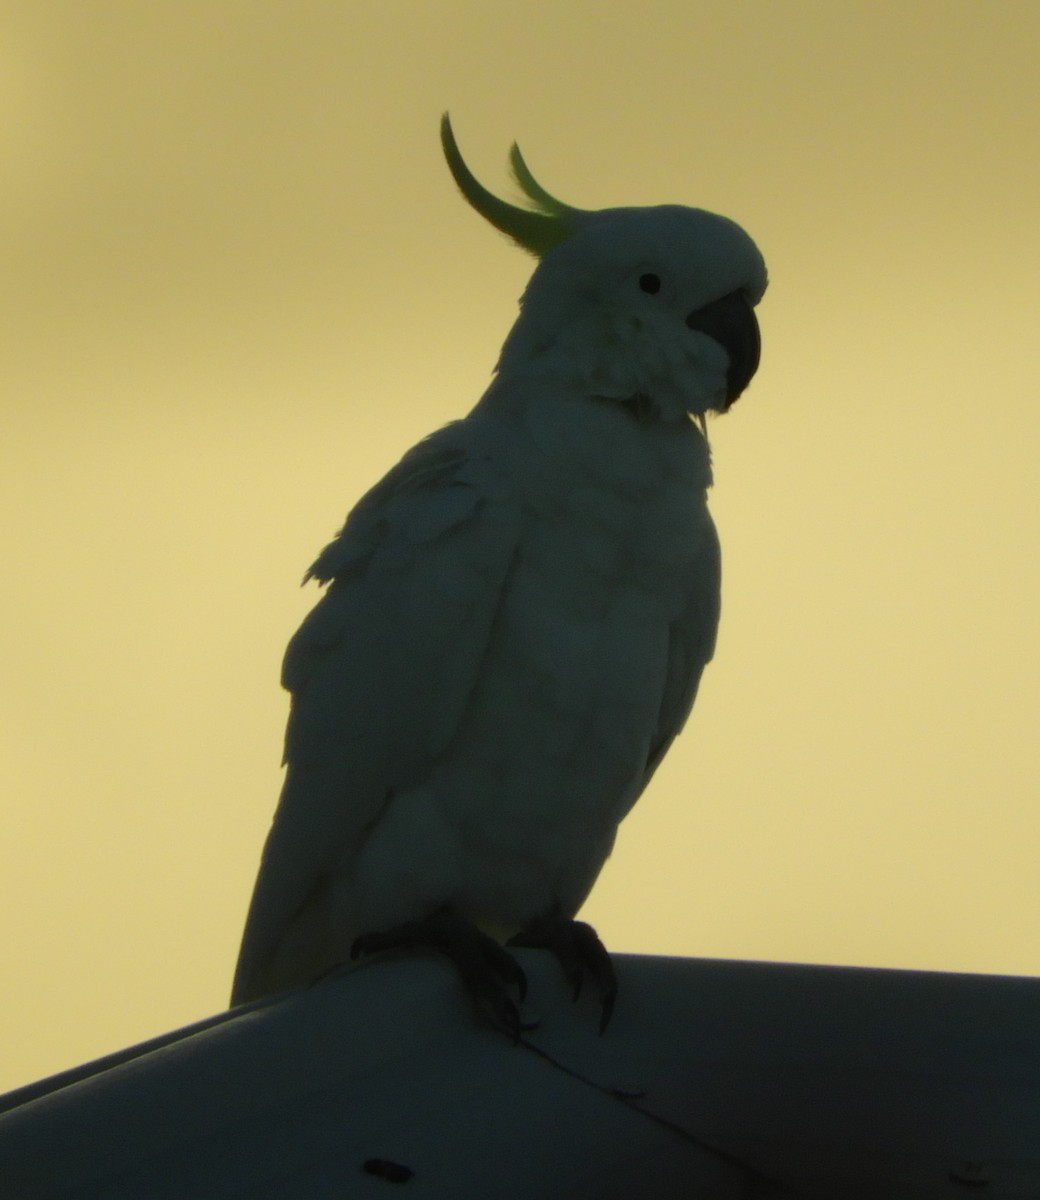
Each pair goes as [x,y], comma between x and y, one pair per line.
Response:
[517,616]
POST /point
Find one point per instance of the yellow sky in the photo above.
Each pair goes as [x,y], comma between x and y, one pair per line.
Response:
[237,284]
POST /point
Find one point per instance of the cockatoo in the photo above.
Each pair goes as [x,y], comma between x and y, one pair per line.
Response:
[516,617]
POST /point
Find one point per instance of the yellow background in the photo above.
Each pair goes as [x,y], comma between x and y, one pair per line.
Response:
[237,283]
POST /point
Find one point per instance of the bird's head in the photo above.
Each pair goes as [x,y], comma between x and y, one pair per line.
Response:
[652,305]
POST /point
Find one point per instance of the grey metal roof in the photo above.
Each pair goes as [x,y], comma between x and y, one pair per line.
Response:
[715,1079]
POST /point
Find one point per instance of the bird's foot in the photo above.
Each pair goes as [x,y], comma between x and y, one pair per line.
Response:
[579,951]
[486,969]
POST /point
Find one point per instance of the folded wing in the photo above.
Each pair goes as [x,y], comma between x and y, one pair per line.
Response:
[380,674]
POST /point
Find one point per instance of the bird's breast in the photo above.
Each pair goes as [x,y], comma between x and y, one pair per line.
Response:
[568,700]
[613,509]
[520,810]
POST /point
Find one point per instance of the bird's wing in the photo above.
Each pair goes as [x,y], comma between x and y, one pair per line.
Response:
[380,674]
[691,645]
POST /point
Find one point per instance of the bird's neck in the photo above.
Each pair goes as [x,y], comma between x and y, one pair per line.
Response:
[621,439]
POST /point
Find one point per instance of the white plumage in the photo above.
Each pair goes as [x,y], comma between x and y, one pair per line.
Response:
[518,614]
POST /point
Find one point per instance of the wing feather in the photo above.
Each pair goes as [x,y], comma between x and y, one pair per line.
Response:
[690,647]
[380,674]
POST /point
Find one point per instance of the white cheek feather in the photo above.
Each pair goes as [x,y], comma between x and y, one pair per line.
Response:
[607,348]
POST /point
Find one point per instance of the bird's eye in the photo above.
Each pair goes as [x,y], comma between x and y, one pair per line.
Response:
[650,282]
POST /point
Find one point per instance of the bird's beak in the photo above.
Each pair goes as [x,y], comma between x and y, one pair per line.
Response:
[731,321]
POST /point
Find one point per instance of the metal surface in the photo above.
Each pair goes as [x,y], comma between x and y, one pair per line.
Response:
[715,1079]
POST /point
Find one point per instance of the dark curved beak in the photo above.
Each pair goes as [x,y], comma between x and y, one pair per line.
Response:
[731,321]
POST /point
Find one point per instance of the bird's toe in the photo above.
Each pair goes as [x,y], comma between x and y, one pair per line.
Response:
[579,951]
[486,968]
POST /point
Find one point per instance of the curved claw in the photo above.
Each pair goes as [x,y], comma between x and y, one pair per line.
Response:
[485,967]
[579,951]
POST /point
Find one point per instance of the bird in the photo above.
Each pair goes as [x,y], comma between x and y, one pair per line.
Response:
[516,618]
